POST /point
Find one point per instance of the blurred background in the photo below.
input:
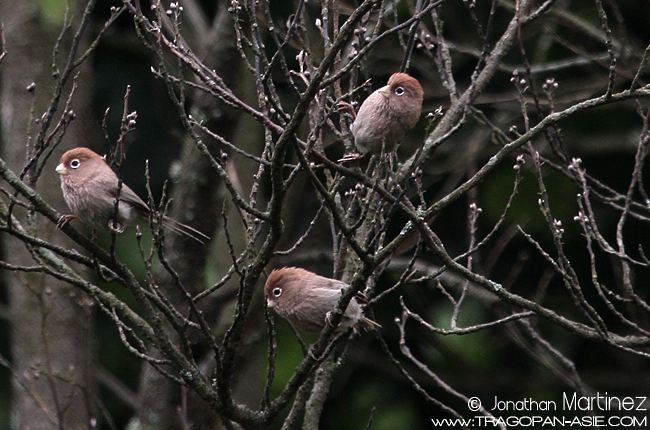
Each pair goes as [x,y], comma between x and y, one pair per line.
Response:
[564,44]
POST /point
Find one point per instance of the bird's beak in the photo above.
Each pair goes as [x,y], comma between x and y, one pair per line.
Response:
[384,91]
[269,303]
[61,170]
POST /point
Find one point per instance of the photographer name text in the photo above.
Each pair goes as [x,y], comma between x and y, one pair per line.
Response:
[574,402]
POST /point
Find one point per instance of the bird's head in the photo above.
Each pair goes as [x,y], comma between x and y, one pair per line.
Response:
[77,162]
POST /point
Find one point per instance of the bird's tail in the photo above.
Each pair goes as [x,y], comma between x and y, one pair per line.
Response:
[367,324]
[185,230]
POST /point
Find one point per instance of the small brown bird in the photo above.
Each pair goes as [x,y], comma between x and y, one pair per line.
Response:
[90,189]
[306,299]
[388,114]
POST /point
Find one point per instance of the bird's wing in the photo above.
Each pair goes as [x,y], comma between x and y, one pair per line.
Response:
[340,285]
[306,316]
[333,284]
[311,311]
[127,195]
[355,307]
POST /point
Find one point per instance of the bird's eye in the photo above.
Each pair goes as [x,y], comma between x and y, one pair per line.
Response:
[277,292]
[75,163]
[399,91]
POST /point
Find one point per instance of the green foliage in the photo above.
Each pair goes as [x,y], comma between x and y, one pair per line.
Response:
[477,349]
[525,210]
[290,353]
[53,12]
[399,416]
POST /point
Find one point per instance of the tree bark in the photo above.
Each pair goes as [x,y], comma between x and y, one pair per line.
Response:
[198,200]
[51,323]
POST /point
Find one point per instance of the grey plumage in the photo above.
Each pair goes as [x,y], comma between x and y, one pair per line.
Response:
[91,189]
[305,299]
[387,114]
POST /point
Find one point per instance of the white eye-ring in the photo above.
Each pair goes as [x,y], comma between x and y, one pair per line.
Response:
[75,163]
[399,91]
[277,292]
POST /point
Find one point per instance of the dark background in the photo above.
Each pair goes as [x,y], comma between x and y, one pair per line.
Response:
[485,364]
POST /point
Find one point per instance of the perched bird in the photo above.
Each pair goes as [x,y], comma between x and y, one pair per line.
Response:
[306,299]
[90,189]
[387,115]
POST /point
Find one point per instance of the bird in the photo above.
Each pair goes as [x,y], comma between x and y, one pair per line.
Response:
[91,190]
[306,300]
[386,115]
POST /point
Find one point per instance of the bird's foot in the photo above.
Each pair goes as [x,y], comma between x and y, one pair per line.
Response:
[350,157]
[346,107]
[115,226]
[65,219]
